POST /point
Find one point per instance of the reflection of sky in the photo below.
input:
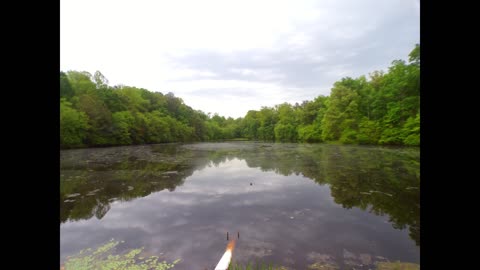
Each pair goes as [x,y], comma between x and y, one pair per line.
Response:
[277,217]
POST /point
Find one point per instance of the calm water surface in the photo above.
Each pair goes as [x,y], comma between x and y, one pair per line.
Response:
[293,204]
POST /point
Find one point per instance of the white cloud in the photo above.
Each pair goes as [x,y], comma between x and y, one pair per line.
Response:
[267,48]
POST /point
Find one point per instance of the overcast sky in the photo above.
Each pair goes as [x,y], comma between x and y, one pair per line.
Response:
[232,56]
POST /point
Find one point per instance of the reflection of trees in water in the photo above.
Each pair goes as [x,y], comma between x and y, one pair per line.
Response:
[386,181]
[120,185]
[382,180]
[90,182]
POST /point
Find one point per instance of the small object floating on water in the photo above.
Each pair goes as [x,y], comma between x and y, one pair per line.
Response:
[376,191]
[170,172]
[291,217]
[91,193]
[251,184]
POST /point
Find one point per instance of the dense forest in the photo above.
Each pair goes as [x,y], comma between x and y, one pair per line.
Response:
[383,109]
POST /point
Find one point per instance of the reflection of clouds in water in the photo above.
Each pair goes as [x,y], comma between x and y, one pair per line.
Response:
[234,177]
[254,249]
[276,214]
[246,202]
[197,214]
[166,207]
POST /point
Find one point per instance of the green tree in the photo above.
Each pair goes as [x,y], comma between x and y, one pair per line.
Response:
[411,131]
[73,125]
[133,99]
[267,118]
[100,81]
[251,124]
[158,128]
[122,123]
[340,121]
[81,82]
[66,90]
[285,128]
[369,131]
[414,56]
[100,119]
[382,110]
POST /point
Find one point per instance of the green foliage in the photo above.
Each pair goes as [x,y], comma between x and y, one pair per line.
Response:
[122,123]
[411,131]
[349,136]
[81,82]
[100,119]
[342,114]
[382,110]
[103,258]
[133,99]
[369,131]
[391,136]
[267,118]
[66,90]
[214,132]
[310,133]
[376,111]
[100,81]
[285,132]
[99,115]
[73,125]
[414,56]
[250,125]
[158,129]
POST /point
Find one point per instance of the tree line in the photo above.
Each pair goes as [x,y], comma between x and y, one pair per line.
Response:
[383,109]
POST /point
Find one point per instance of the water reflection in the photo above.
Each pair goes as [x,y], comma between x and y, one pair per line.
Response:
[90,179]
[277,215]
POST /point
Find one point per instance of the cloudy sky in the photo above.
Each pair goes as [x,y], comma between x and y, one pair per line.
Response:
[228,57]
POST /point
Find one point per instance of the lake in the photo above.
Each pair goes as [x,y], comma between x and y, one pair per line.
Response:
[291,204]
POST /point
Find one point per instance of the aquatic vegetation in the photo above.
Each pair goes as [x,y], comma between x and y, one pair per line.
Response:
[103,258]
[375,187]
[323,266]
[397,266]
[327,266]
[256,266]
